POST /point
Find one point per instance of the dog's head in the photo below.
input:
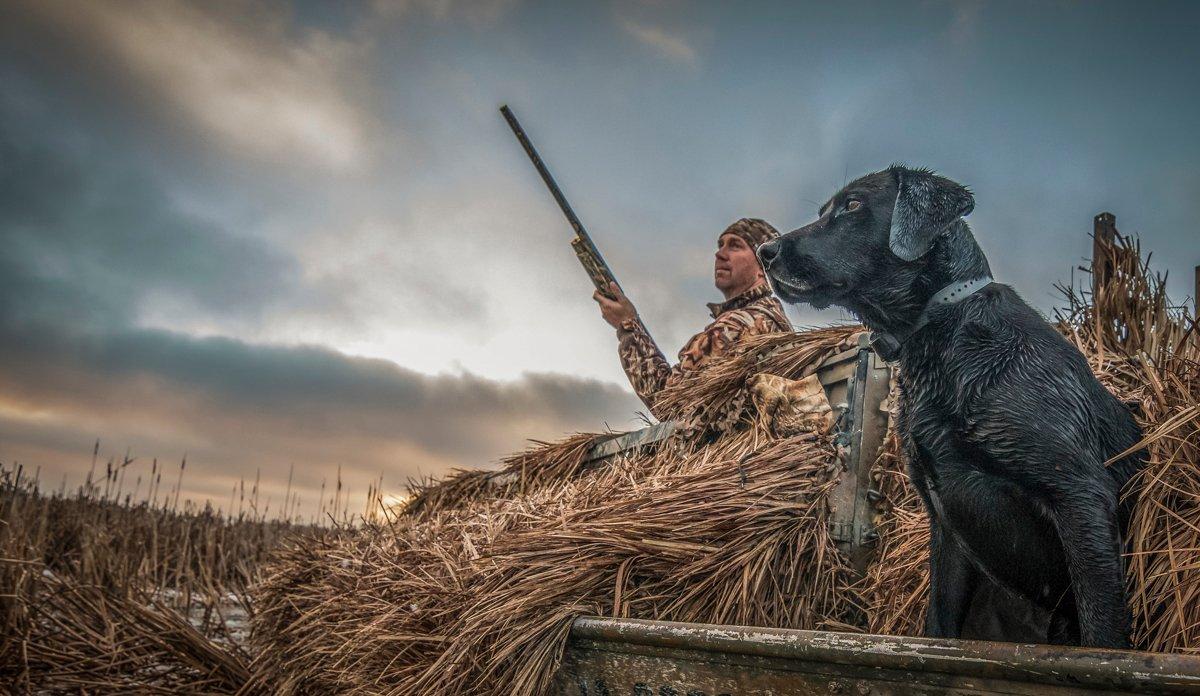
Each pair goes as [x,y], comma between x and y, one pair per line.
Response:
[884,239]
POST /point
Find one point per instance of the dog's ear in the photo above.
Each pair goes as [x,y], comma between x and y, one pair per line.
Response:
[926,204]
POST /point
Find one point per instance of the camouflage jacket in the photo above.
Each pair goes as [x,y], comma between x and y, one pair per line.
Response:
[755,311]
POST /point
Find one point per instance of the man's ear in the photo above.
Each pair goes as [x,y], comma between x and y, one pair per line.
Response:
[926,204]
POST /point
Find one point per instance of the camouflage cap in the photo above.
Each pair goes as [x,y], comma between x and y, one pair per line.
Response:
[753,231]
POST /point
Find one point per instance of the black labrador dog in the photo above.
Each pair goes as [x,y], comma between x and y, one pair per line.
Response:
[1006,430]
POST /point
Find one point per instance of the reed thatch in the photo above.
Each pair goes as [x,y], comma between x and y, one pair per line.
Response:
[717,398]
[704,405]
[471,589]
[546,463]
[1147,353]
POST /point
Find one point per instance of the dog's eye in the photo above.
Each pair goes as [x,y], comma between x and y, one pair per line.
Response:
[849,206]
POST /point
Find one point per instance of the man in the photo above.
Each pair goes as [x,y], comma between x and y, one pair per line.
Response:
[749,309]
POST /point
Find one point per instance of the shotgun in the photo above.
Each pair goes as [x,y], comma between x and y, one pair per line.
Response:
[589,255]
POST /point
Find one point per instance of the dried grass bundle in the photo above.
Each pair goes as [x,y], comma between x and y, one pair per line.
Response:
[715,399]
[472,592]
[1147,353]
[520,474]
[366,610]
[733,535]
[480,602]
[86,639]
[896,587]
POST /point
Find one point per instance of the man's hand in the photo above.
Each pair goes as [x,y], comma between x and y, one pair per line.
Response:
[615,311]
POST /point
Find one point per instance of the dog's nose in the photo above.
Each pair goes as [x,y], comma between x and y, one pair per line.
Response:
[768,252]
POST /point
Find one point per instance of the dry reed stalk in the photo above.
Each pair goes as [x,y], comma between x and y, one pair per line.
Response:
[342,615]
[101,594]
[895,589]
[737,536]
[1147,351]
[89,640]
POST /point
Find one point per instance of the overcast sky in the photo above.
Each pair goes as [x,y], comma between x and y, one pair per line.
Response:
[265,234]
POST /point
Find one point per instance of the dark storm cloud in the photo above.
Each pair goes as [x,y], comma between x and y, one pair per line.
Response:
[233,406]
[110,227]
[88,235]
[315,390]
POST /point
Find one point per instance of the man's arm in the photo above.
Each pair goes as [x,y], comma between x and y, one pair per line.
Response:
[643,362]
[641,358]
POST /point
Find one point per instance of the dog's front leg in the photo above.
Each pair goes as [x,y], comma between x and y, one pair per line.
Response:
[951,582]
[1085,517]
[951,575]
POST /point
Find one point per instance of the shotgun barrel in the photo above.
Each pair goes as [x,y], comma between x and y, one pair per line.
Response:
[587,252]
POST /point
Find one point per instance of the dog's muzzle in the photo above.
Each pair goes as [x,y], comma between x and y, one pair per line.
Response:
[767,253]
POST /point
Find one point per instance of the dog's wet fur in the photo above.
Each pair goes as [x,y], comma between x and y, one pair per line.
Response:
[1005,427]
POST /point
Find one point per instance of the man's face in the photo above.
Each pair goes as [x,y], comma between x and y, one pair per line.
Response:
[737,268]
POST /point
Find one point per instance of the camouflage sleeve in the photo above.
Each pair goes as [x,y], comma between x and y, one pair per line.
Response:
[720,336]
[649,372]
[643,362]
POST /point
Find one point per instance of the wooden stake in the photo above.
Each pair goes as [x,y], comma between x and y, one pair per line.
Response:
[1196,294]
[1104,232]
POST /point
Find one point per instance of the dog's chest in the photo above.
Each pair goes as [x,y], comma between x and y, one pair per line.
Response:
[932,416]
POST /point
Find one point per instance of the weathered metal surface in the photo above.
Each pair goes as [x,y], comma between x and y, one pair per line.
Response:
[631,441]
[862,426]
[614,657]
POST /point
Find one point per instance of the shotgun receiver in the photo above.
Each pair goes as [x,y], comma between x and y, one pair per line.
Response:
[587,252]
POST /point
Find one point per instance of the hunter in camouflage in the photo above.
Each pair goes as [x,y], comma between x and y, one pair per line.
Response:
[749,309]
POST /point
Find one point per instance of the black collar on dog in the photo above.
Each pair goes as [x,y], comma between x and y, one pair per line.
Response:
[887,345]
